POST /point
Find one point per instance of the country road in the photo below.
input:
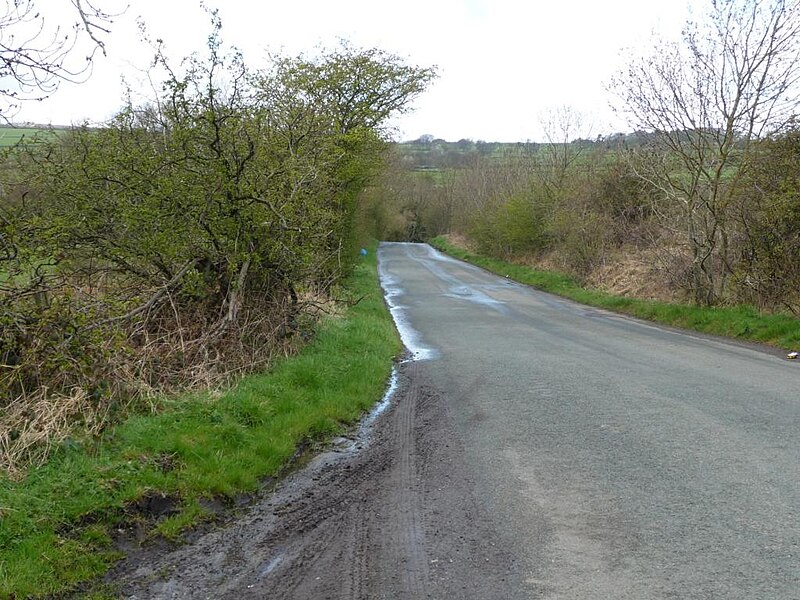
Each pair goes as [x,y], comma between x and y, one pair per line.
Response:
[535,448]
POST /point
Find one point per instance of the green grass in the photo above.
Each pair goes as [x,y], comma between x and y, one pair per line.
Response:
[9,136]
[54,525]
[740,322]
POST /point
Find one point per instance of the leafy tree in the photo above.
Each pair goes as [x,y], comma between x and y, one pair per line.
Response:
[346,96]
[517,225]
[356,89]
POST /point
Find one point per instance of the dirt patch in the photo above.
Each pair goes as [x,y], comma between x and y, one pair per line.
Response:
[154,506]
[392,515]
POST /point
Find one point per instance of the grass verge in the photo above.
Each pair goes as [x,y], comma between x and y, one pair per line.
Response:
[741,322]
[56,525]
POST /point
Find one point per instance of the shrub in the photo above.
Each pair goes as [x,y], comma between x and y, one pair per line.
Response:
[512,226]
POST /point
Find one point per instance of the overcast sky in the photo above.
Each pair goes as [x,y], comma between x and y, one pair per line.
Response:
[501,63]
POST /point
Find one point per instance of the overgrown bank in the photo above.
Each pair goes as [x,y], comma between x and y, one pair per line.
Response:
[57,526]
[188,241]
[741,322]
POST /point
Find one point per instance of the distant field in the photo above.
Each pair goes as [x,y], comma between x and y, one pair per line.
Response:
[12,135]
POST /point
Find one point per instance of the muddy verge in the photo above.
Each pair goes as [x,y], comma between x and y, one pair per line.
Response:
[392,515]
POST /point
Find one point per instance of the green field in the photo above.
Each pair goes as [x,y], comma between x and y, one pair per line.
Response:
[10,136]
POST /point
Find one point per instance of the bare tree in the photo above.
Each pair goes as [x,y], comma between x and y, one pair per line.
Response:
[561,126]
[732,79]
[37,52]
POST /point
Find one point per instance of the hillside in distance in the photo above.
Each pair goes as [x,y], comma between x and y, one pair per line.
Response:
[430,153]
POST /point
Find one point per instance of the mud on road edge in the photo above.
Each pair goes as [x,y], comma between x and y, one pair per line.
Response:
[389,515]
[134,534]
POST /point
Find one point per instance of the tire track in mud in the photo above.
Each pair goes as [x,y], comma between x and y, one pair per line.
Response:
[405,504]
[349,525]
[398,518]
[514,465]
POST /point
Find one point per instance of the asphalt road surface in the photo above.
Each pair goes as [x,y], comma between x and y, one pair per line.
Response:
[535,448]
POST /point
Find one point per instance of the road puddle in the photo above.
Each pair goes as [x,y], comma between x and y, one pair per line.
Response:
[393,291]
[458,289]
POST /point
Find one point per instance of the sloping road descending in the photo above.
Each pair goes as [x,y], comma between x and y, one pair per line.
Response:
[614,458]
[536,448]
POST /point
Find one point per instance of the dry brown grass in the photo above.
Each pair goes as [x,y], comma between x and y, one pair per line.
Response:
[165,352]
[633,272]
[460,240]
[31,427]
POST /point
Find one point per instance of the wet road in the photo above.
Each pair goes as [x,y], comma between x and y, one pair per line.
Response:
[535,448]
[608,457]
